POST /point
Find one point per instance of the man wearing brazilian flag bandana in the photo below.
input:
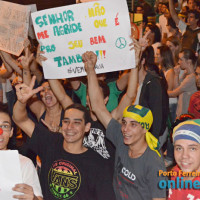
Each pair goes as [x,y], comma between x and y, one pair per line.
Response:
[138,160]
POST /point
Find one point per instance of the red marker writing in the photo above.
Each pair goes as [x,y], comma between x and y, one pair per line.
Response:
[116,20]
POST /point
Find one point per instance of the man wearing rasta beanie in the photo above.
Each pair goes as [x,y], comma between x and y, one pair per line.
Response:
[186,139]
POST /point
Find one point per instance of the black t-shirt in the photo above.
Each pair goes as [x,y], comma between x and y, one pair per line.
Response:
[70,176]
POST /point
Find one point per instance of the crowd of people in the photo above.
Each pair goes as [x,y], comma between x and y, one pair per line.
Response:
[109,136]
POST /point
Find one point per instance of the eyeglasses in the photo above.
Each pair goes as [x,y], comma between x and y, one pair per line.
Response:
[5,127]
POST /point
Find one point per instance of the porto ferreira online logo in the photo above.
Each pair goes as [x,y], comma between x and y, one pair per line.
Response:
[64,179]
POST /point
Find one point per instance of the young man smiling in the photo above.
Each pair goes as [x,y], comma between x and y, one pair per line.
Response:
[69,170]
[137,160]
[186,138]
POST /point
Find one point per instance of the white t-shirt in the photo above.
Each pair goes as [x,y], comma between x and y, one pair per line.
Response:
[29,175]
[163,26]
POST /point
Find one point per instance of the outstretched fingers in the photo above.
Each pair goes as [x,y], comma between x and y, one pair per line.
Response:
[32,83]
[38,89]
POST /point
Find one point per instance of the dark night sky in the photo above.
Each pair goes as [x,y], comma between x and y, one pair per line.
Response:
[44,4]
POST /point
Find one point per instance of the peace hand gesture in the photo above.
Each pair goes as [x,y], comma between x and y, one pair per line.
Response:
[25,92]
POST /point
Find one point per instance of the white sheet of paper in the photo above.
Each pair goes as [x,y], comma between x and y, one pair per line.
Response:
[10,173]
[14,20]
[65,33]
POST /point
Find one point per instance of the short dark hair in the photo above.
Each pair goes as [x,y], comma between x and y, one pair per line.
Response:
[195,12]
[194,1]
[139,5]
[4,109]
[86,114]
[189,54]
[166,4]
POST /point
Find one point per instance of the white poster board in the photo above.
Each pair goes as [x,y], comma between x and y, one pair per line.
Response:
[10,173]
[65,33]
[14,20]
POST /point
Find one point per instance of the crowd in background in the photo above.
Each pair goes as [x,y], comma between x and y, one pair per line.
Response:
[168,83]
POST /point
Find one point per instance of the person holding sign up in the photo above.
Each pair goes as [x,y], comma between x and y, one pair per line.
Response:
[96,137]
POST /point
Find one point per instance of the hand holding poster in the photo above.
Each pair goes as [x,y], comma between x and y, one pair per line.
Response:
[65,33]
[14,20]
[10,173]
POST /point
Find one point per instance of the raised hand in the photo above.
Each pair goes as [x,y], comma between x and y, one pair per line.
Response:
[27,191]
[89,59]
[138,49]
[26,60]
[39,57]
[25,92]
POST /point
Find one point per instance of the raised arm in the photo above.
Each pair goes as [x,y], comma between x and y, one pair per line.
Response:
[173,12]
[34,68]
[132,85]
[95,94]
[11,62]
[20,116]
[36,105]
[5,73]
[122,81]
[129,96]
[55,84]
[176,76]
[60,93]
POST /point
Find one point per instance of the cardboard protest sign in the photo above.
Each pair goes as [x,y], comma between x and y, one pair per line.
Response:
[31,33]
[14,19]
[65,33]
